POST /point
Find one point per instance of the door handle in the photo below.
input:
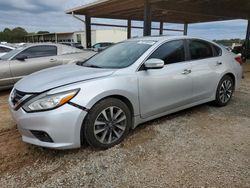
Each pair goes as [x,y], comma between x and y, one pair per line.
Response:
[186,71]
[219,63]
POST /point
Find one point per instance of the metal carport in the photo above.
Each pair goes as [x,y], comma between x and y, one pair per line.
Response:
[171,11]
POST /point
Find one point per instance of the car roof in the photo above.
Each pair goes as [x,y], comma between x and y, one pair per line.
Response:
[165,38]
[62,49]
[41,44]
[105,43]
[157,38]
[6,46]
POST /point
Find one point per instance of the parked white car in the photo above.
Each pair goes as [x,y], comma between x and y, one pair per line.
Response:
[4,49]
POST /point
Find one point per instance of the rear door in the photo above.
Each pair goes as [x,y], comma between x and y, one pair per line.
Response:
[168,88]
[206,66]
[38,58]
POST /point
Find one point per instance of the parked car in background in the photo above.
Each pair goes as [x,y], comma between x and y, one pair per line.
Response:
[241,50]
[73,44]
[135,81]
[237,49]
[102,46]
[229,48]
[4,49]
[31,58]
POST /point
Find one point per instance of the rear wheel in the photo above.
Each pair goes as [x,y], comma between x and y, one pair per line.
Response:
[107,124]
[224,91]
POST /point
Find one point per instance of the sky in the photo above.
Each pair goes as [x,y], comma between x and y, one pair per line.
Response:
[49,15]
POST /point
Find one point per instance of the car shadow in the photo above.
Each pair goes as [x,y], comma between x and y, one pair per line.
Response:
[5,92]
[140,134]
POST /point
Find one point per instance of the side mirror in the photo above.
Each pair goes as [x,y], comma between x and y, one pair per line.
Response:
[21,57]
[154,64]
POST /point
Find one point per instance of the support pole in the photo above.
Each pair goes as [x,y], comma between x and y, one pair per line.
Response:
[129,30]
[56,39]
[147,18]
[161,28]
[88,31]
[247,43]
[185,29]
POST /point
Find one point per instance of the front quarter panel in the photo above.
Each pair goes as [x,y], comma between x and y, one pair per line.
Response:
[5,74]
[95,90]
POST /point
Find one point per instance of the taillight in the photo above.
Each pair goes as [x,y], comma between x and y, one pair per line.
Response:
[239,59]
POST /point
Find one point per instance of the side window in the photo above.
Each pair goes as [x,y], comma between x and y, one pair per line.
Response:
[40,51]
[200,49]
[217,51]
[4,50]
[97,45]
[106,44]
[170,52]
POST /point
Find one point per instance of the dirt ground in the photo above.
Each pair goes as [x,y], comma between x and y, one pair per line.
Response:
[200,147]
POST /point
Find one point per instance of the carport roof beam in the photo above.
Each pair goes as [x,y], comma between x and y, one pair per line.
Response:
[174,11]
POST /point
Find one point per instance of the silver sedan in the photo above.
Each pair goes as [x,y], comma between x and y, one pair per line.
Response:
[34,57]
[132,82]
[4,49]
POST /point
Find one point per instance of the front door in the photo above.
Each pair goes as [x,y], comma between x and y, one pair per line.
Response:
[168,88]
[38,58]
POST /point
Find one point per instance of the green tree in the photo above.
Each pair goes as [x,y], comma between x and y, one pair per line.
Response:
[7,30]
[229,42]
[42,32]
[13,36]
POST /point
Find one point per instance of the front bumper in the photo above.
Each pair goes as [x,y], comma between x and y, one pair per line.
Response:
[63,125]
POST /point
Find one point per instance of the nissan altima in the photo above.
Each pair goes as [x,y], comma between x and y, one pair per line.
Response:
[100,100]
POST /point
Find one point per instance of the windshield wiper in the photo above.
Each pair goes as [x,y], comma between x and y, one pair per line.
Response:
[91,66]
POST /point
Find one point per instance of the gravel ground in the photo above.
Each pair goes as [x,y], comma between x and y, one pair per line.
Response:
[200,147]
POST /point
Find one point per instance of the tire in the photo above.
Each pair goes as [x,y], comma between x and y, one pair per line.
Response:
[107,123]
[224,91]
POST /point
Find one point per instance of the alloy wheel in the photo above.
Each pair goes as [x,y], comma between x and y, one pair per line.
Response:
[226,91]
[110,125]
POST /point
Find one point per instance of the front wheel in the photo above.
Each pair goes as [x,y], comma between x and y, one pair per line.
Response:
[224,91]
[107,123]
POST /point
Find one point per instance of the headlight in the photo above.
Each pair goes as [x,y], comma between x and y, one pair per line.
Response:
[46,102]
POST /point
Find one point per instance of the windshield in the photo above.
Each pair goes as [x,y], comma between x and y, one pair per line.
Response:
[120,55]
[11,53]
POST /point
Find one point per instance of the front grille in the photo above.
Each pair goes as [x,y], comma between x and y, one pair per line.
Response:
[17,96]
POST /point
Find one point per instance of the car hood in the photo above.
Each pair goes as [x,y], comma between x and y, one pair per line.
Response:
[59,76]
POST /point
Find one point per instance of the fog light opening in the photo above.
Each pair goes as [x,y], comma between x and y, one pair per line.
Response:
[42,136]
